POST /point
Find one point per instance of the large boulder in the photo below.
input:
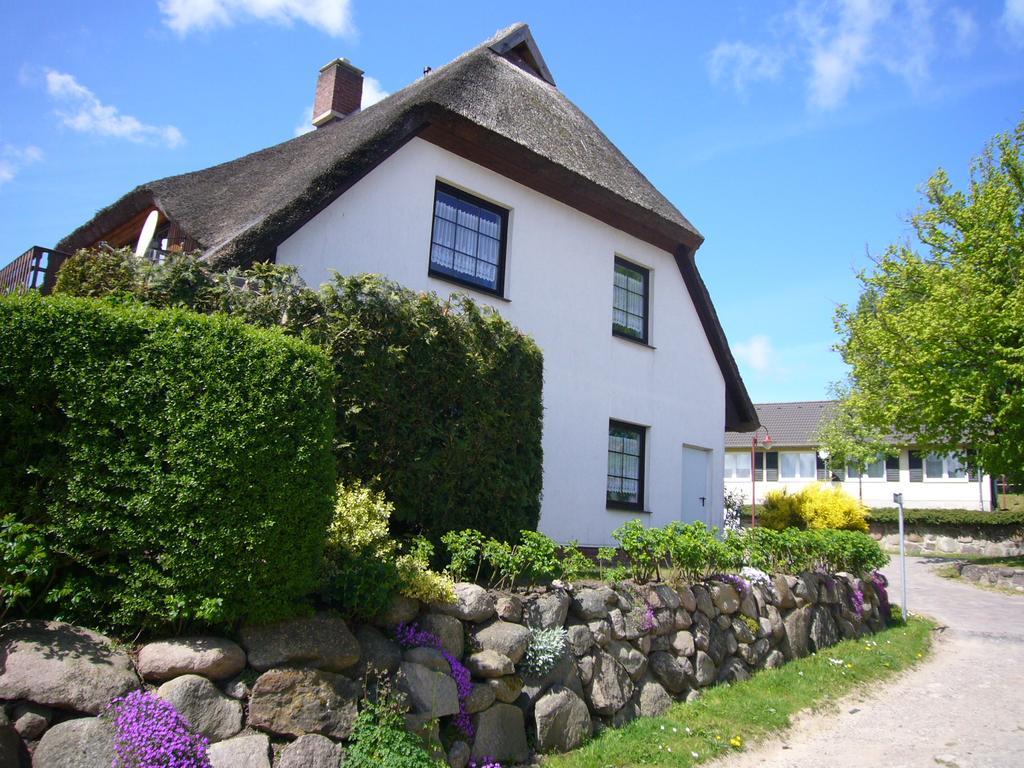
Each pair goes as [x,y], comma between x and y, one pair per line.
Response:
[241,752]
[501,734]
[431,658]
[508,607]
[546,611]
[590,604]
[797,622]
[86,742]
[663,596]
[651,698]
[672,672]
[504,637]
[208,711]
[380,656]
[31,720]
[784,590]
[704,602]
[704,669]
[506,689]
[562,719]
[448,630]
[488,664]
[472,603]
[681,643]
[481,696]
[212,657]
[634,662]
[61,665]
[610,685]
[322,642]
[579,638]
[401,610]
[430,693]
[311,751]
[292,702]
[823,632]
[725,597]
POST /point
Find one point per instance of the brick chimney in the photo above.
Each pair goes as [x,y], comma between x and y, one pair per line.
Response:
[339,91]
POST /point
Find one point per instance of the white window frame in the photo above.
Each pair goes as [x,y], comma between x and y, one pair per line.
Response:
[853,474]
[949,463]
[799,476]
[740,461]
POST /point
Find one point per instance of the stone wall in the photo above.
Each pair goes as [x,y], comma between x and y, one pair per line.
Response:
[993,575]
[924,539]
[288,694]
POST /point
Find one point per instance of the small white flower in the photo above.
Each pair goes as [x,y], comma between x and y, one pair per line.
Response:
[695,754]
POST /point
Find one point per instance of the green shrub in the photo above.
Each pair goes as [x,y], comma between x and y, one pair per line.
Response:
[793,550]
[965,517]
[816,506]
[465,550]
[644,548]
[438,403]
[574,564]
[172,468]
[380,739]
[99,272]
[364,566]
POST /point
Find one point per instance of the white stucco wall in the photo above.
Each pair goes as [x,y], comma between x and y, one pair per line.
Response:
[558,288]
[930,493]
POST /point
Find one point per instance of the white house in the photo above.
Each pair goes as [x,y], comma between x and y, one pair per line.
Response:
[483,178]
[792,460]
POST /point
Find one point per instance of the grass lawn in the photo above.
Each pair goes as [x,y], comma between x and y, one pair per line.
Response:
[728,718]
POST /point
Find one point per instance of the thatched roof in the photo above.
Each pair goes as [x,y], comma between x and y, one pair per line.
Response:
[485,104]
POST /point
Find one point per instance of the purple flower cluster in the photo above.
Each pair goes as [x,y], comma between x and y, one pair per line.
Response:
[857,599]
[484,762]
[151,733]
[881,583]
[650,620]
[741,584]
[826,577]
[411,636]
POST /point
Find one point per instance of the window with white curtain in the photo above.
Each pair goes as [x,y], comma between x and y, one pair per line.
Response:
[938,467]
[798,465]
[737,465]
[629,301]
[625,489]
[467,242]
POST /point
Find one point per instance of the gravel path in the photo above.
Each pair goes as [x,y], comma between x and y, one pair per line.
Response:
[963,708]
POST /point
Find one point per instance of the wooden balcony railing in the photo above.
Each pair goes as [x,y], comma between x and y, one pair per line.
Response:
[35,268]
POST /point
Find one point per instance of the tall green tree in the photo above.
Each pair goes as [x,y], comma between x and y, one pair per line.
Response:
[936,340]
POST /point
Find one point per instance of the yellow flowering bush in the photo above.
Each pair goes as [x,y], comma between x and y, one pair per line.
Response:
[816,506]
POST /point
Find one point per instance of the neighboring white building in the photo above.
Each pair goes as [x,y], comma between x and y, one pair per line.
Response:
[483,178]
[792,461]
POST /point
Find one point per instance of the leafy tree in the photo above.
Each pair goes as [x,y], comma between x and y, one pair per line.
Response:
[848,441]
[936,341]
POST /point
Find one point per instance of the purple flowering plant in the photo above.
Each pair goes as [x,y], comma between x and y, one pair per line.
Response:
[484,762]
[411,636]
[880,583]
[151,733]
[650,621]
[742,585]
[857,599]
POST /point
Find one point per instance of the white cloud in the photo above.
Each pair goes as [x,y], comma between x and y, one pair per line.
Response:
[1013,19]
[372,93]
[82,111]
[840,43]
[742,64]
[332,16]
[13,159]
[756,352]
[965,30]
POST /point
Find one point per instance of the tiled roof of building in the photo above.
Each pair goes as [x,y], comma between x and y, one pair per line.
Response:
[790,425]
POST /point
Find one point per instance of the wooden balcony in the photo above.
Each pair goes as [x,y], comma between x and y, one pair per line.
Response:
[36,269]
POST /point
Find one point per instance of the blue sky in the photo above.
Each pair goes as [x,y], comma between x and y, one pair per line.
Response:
[794,134]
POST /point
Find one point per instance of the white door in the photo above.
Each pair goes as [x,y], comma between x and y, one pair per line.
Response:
[696,484]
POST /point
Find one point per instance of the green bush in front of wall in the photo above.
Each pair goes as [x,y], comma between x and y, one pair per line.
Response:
[438,405]
[438,400]
[158,468]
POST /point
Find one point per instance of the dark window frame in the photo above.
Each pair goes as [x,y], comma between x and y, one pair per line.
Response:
[637,506]
[645,339]
[502,213]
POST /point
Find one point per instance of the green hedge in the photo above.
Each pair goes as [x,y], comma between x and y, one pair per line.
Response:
[438,401]
[157,467]
[438,406]
[946,517]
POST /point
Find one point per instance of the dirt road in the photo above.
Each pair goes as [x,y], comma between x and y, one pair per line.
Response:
[964,708]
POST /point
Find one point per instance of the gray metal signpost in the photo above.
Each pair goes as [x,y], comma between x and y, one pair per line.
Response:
[898,498]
